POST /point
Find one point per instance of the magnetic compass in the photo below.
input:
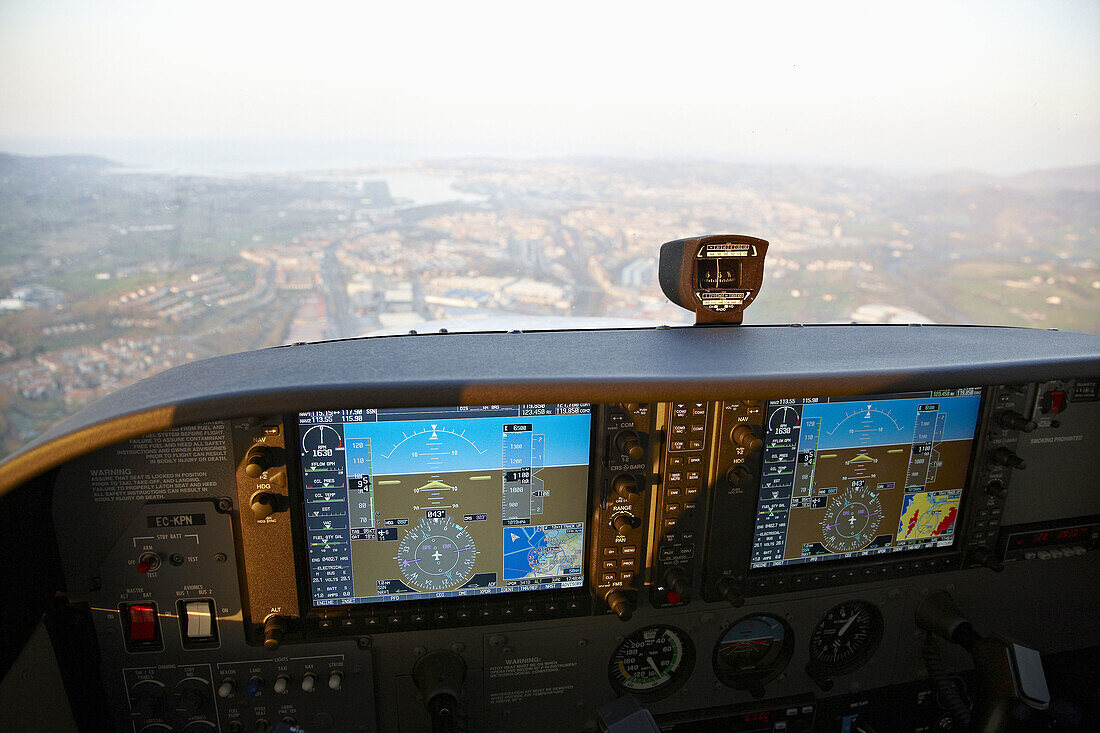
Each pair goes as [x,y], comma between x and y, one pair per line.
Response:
[652,663]
[436,554]
[846,636]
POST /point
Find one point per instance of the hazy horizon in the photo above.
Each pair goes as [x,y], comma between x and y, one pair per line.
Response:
[1002,87]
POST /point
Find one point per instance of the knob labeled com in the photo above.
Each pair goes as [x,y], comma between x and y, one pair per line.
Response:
[628,442]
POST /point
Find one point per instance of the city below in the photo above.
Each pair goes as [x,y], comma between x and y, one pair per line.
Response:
[108,275]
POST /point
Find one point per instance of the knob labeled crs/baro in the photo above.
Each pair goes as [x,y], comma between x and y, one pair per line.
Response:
[626,487]
[1005,457]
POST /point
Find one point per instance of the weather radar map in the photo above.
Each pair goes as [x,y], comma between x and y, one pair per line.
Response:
[849,477]
[443,502]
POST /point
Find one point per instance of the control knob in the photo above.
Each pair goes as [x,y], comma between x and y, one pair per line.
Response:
[274,628]
[626,486]
[731,592]
[264,504]
[620,604]
[985,556]
[1005,457]
[624,522]
[258,460]
[743,436]
[679,582]
[1015,421]
[996,488]
[739,477]
[627,442]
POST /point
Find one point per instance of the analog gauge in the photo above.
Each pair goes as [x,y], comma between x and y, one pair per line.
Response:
[846,636]
[436,554]
[652,662]
[752,651]
[851,520]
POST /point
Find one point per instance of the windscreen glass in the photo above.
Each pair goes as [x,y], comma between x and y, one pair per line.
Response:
[859,476]
[417,503]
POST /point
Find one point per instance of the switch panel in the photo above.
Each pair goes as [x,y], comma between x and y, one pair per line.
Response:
[198,622]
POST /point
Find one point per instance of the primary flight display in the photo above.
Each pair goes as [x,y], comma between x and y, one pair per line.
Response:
[856,476]
[417,503]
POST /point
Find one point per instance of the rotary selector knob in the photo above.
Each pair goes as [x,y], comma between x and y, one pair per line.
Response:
[274,628]
[739,477]
[258,460]
[1012,420]
[626,487]
[624,522]
[731,592]
[743,436]
[678,581]
[628,442]
[1005,457]
[619,602]
[996,488]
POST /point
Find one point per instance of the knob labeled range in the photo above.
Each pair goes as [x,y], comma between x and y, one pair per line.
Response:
[624,522]
[744,436]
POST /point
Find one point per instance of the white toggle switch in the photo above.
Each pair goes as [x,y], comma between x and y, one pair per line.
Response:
[200,619]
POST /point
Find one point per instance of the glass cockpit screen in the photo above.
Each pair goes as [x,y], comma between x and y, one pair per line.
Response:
[857,476]
[417,503]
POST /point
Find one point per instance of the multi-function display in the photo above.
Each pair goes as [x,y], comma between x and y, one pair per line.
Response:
[858,476]
[416,503]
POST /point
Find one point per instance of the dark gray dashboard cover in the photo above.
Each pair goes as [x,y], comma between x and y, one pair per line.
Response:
[715,362]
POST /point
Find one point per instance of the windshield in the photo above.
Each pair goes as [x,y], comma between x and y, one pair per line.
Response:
[181,181]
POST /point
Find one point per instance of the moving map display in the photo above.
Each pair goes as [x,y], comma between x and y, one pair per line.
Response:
[417,503]
[857,476]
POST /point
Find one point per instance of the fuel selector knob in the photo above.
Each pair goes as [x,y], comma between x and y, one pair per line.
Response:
[626,486]
[624,522]
[744,436]
[628,442]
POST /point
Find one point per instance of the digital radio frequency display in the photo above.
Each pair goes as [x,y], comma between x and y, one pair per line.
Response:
[859,476]
[418,503]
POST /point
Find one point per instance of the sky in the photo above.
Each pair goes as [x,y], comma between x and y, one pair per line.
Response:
[1002,86]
